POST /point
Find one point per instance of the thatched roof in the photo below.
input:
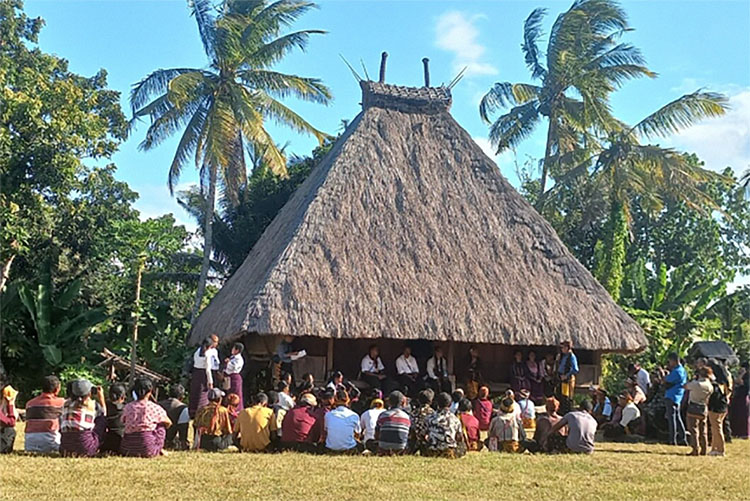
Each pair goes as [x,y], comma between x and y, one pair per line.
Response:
[407,230]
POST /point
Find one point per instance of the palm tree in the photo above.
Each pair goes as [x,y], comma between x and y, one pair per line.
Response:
[626,170]
[584,64]
[224,107]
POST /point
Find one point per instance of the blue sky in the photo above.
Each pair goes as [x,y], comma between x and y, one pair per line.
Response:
[691,44]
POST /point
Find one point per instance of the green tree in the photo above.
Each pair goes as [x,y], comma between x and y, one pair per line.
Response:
[225,107]
[584,64]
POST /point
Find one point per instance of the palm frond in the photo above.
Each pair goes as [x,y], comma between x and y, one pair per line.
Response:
[273,51]
[190,87]
[532,32]
[499,96]
[188,144]
[285,116]
[156,82]
[203,11]
[681,113]
[284,85]
[510,129]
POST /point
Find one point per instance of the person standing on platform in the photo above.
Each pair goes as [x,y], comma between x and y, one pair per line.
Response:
[567,370]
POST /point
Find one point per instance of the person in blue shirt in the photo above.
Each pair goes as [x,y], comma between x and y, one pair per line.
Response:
[567,370]
[674,383]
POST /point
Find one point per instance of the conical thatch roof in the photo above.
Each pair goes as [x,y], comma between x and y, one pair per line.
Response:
[407,230]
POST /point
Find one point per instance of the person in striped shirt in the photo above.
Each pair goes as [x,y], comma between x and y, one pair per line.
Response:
[392,430]
[43,418]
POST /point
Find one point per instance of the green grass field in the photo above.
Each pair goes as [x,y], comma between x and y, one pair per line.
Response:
[615,471]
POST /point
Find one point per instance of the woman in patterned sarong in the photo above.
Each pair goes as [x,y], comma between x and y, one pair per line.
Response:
[145,423]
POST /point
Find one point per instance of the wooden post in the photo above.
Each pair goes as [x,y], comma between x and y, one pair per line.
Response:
[426,63]
[597,367]
[383,57]
[140,266]
[329,357]
[451,355]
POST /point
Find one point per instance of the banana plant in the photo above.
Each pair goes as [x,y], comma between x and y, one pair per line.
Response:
[59,324]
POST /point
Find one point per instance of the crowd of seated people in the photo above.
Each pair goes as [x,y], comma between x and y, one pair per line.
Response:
[414,416]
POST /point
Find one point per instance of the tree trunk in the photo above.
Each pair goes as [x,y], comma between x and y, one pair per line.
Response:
[5,274]
[545,162]
[611,258]
[136,316]
[207,243]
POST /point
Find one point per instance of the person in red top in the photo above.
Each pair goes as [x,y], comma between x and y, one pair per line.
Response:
[43,418]
[303,425]
[470,425]
[7,418]
[483,408]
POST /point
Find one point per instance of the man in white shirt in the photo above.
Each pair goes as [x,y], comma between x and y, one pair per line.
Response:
[407,370]
[372,368]
[630,414]
[641,376]
[342,427]
[437,373]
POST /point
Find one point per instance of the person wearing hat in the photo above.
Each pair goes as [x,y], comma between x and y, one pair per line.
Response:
[506,429]
[255,426]
[528,409]
[212,424]
[369,420]
[342,428]
[7,418]
[302,426]
[84,421]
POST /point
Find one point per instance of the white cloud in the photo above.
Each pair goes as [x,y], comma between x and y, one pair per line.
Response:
[506,161]
[724,141]
[456,32]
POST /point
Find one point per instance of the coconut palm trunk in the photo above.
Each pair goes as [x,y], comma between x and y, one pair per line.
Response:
[208,234]
[136,316]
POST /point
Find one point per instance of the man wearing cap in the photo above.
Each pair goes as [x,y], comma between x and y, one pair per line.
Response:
[341,427]
[212,423]
[369,421]
[303,425]
[255,426]
[43,418]
[392,429]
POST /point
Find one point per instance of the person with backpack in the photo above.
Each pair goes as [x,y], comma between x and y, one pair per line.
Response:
[700,391]
[718,406]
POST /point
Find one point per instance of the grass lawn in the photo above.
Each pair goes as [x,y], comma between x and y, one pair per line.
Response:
[615,471]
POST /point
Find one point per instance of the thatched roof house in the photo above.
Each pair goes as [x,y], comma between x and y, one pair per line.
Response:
[406,230]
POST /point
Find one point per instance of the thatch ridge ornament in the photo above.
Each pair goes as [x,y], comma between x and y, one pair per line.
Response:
[407,230]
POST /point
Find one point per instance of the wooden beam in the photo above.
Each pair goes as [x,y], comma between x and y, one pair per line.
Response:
[329,357]
[450,355]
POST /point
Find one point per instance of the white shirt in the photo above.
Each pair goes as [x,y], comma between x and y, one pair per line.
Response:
[370,365]
[368,421]
[629,413]
[286,402]
[341,424]
[643,379]
[208,362]
[432,368]
[406,365]
[235,364]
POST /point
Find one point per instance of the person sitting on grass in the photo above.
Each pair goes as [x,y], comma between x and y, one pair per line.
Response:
[145,423]
[639,398]
[527,408]
[177,411]
[629,419]
[483,408]
[43,418]
[419,417]
[302,426]
[544,424]
[470,424]
[445,436]
[212,424]
[392,429]
[581,432]
[84,421]
[256,426]
[342,429]
[115,426]
[368,422]
[233,407]
[456,398]
[602,411]
[506,430]
[7,418]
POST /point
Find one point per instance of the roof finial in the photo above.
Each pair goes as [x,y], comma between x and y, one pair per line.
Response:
[383,57]
[426,63]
